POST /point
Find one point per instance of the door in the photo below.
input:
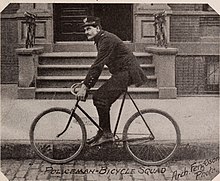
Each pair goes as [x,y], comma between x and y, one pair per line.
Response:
[68,18]
[116,18]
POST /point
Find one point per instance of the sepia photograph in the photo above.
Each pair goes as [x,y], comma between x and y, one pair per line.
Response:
[106,91]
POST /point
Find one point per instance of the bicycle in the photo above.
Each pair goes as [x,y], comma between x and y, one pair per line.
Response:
[142,136]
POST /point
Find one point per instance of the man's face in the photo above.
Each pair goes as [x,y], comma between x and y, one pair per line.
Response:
[91,31]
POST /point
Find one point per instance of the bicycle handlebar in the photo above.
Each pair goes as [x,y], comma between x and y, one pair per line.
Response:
[75,88]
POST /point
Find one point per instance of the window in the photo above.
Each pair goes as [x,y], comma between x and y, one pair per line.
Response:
[212,63]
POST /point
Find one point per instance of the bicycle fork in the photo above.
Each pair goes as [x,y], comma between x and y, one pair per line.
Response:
[70,118]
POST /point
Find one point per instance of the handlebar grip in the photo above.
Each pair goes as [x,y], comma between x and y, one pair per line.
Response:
[75,88]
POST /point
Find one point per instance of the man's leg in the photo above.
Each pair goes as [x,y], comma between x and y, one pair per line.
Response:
[106,95]
[104,119]
[104,122]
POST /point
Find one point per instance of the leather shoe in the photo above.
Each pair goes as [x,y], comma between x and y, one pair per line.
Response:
[95,138]
[105,138]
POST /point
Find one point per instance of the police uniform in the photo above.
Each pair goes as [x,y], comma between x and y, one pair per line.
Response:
[123,66]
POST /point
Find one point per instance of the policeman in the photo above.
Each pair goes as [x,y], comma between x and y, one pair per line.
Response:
[123,66]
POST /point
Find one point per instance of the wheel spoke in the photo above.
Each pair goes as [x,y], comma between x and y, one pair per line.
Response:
[141,149]
[160,153]
[166,150]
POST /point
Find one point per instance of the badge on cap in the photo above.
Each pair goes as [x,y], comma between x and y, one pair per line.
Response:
[85,20]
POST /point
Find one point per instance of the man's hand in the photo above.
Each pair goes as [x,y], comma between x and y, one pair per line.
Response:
[81,94]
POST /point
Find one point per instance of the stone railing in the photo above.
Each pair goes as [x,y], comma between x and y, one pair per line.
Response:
[27,62]
[164,61]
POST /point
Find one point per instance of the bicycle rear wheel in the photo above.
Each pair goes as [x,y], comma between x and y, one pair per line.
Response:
[45,129]
[145,148]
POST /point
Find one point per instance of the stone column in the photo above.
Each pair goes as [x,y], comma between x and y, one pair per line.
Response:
[27,61]
[164,61]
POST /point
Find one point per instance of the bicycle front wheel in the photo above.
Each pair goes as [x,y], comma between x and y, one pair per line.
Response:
[151,137]
[44,133]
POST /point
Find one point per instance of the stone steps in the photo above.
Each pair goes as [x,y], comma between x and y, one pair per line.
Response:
[64,93]
[67,81]
[82,58]
[57,71]
[74,70]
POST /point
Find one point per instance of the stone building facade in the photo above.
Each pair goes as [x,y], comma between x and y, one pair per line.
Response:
[191,28]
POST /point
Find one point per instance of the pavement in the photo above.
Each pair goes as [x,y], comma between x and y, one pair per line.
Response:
[80,170]
[197,117]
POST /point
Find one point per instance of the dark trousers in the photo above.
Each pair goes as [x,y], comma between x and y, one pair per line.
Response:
[107,94]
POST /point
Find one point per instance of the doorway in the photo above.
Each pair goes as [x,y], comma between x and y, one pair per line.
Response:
[115,18]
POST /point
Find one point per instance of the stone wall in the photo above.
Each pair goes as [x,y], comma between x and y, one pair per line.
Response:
[9,63]
[185,29]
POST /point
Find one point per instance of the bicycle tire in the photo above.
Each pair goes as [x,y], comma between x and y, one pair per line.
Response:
[50,150]
[153,149]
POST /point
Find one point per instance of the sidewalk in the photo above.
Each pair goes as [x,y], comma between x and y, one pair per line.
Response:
[30,170]
[197,117]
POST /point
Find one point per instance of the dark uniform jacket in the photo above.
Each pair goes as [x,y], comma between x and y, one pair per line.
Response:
[113,53]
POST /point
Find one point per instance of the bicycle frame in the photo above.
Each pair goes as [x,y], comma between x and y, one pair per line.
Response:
[92,120]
